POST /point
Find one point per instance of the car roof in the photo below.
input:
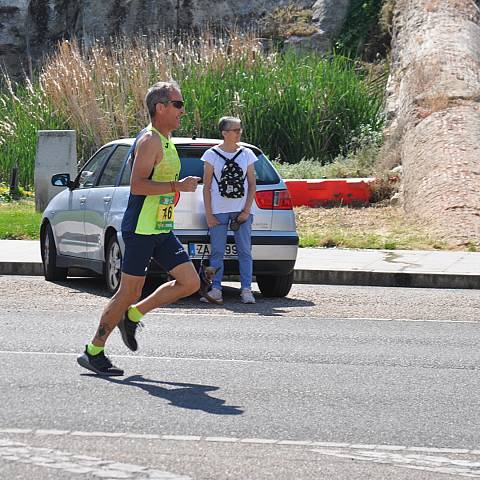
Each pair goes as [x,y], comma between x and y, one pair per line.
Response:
[201,142]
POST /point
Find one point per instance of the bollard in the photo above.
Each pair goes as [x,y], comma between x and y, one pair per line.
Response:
[14,193]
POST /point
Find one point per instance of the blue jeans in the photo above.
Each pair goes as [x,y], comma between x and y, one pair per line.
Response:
[243,241]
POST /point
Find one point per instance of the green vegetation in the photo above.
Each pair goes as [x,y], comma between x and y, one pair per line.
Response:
[293,106]
[366,30]
[19,221]
[358,161]
[24,110]
[21,193]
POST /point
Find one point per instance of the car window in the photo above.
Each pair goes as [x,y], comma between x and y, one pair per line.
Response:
[112,169]
[127,172]
[265,172]
[192,165]
[93,168]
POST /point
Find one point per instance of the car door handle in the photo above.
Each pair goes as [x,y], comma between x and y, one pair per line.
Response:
[83,200]
[107,199]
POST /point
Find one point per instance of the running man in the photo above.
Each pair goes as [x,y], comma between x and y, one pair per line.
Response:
[147,229]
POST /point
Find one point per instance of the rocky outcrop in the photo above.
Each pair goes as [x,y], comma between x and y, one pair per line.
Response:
[434,111]
[12,41]
[328,19]
[28,28]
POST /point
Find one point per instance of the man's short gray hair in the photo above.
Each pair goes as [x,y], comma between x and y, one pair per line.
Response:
[159,93]
[225,123]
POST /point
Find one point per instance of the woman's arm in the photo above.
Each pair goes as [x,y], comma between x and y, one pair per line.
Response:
[207,195]
[252,188]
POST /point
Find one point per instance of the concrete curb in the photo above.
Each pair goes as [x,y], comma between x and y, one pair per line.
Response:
[387,279]
[323,277]
[21,268]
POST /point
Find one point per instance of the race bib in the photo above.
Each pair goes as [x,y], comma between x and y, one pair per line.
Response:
[165,213]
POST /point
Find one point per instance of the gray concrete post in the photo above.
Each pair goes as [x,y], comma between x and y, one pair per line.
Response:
[56,153]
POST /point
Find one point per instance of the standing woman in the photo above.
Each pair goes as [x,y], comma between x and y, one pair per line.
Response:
[228,193]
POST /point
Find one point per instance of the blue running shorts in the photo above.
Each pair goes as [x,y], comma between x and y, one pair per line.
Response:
[163,247]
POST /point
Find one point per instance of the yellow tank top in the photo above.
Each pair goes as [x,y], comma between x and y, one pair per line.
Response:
[157,213]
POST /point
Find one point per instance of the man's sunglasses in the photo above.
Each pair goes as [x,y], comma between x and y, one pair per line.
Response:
[176,103]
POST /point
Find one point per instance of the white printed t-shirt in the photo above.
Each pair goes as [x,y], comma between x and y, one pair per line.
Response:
[221,204]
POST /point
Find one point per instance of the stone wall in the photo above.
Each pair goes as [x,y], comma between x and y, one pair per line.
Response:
[434,111]
[29,28]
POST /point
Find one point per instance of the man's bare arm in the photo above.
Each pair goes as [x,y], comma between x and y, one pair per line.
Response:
[149,153]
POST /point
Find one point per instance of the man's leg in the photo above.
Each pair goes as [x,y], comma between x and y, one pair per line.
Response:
[94,358]
[185,283]
[138,249]
[129,292]
[169,253]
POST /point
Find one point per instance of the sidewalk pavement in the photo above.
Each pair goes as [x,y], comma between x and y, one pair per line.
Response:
[330,266]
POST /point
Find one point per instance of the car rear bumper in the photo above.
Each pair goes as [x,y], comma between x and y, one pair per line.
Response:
[272,254]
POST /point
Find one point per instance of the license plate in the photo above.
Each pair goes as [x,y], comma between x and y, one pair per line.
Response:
[196,250]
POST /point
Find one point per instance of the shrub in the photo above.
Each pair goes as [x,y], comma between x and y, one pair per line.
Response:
[358,161]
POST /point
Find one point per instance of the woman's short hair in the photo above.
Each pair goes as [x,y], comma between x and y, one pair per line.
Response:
[225,122]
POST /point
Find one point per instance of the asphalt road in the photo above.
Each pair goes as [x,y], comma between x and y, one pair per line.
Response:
[332,382]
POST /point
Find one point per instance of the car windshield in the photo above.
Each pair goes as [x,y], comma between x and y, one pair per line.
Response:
[192,165]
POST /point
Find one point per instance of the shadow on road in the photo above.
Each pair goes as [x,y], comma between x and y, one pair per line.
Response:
[264,306]
[186,395]
[92,285]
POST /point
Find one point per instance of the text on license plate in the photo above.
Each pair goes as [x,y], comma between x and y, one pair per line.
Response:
[196,250]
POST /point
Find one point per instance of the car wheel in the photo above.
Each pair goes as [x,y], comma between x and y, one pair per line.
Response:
[275,285]
[113,264]
[49,257]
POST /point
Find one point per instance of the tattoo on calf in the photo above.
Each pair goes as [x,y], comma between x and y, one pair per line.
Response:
[103,331]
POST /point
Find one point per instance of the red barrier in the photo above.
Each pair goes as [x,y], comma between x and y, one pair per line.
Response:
[329,192]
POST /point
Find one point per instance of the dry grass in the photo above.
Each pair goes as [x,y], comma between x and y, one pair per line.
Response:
[384,227]
[102,88]
[287,21]
[385,19]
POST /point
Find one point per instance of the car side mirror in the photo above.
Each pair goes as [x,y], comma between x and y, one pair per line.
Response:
[63,180]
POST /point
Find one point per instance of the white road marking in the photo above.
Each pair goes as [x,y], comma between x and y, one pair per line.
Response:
[463,468]
[331,446]
[291,316]
[182,438]
[147,357]
[403,456]
[222,439]
[80,464]
[293,442]
[438,450]
[260,441]
[172,313]
[183,359]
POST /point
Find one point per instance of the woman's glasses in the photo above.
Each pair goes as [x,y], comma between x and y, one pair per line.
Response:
[236,130]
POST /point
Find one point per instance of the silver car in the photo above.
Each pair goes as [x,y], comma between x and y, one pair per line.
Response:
[80,228]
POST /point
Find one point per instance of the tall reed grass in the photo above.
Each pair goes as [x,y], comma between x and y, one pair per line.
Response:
[293,106]
[24,109]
